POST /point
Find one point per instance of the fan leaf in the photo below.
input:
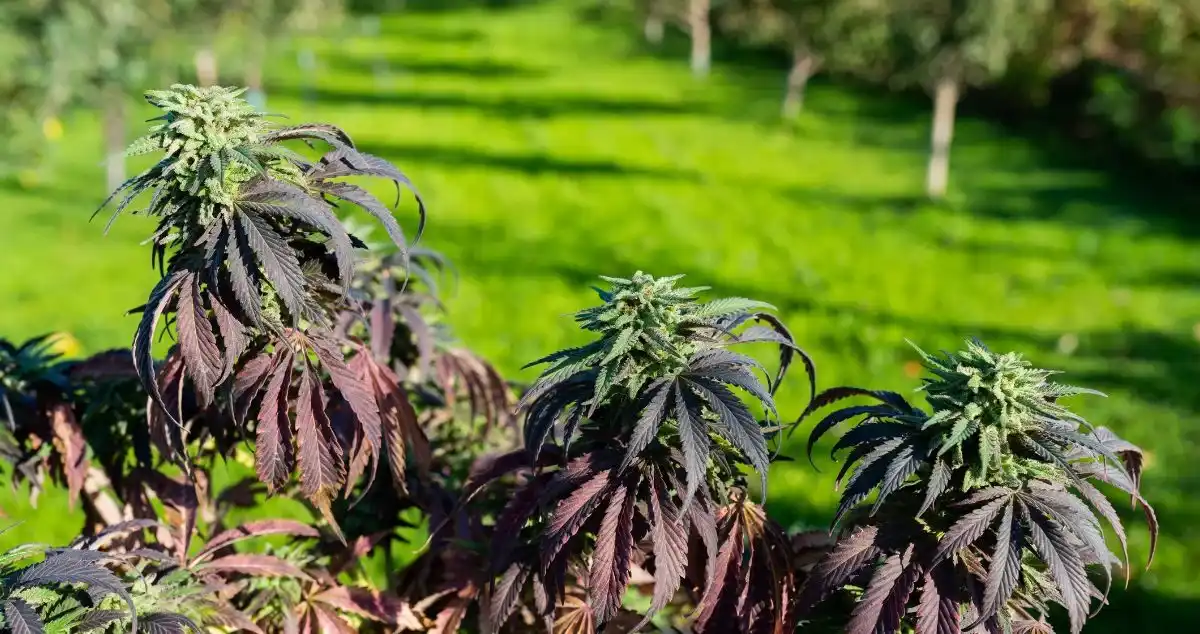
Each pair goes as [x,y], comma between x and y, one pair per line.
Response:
[197,341]
[253,565]
[847,559]
[611,558]
[1004,569]
[273,454]
[21,618]
[278,261]
[970,527]
[319,455]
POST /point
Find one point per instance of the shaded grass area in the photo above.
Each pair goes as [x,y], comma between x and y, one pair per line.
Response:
[552,149]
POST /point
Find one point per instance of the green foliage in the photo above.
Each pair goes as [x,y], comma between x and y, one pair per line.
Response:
[841,35]
[971,42]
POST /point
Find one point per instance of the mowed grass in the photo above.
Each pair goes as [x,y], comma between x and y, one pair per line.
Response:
[551,149]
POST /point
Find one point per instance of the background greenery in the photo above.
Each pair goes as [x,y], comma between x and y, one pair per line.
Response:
[553,148]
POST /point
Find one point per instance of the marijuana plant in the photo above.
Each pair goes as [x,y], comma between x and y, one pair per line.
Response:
[58,592]
[986,503]
[36,420]
[652,431]
[258,267]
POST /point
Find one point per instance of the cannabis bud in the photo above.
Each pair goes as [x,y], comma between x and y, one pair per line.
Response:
[204,134]
[644,324]
[990,409]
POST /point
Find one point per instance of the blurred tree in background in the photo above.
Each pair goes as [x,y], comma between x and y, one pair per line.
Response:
[261,25]
[690,16]
[1149,91]
[1122,71]
[23,88]
[838,34]
[1119,71]
[65,53]
[197,23]
[946,46]
[96,54]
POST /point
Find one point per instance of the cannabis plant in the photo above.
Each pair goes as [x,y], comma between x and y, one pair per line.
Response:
[256,265]
[986,503]
[58,590]
[408,344]
[68,420]
[652,432]
[36,420]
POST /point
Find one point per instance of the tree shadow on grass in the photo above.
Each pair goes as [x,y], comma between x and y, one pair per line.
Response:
[1139,610]
[432,6]
[415,32]
[530,164]
[529,106]
[1100,205]
[406,65]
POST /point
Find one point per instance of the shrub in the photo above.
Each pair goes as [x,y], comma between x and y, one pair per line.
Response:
[617,493]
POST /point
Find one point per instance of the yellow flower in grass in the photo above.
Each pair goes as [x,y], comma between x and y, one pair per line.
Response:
[52,128]
[28,179]
[65,343]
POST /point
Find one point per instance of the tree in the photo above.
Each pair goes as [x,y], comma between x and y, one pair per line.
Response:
[653,19]
[26,98]
[198,22]
[262,24]
[691,16]
[949,45]
[99,53]
[78,52]
[701,35]
[1149,97]
[839,34]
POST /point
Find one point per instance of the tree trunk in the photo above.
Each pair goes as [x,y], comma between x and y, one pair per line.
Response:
[254,67]
[701,37]
[254,75]
[114,138]
[206,66]
[804,64]
[654,26]
[945,99]
[307,60]
[106,507]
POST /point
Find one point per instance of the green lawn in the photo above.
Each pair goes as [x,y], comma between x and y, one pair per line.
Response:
[552,149]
